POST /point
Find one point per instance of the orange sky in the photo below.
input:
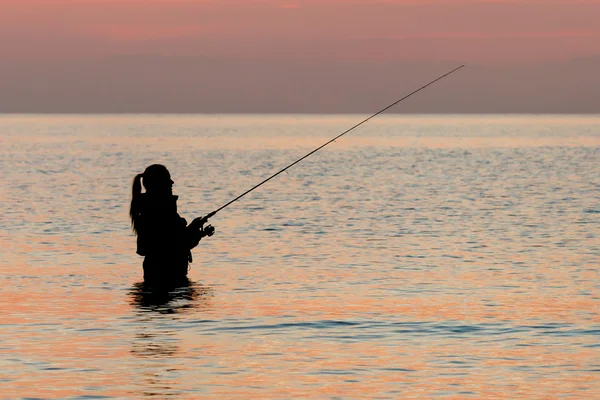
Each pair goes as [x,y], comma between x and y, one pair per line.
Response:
[372,33]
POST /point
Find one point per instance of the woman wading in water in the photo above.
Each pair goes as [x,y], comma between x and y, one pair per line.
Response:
[163,237]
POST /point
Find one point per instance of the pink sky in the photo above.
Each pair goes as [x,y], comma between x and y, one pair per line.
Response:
[481,33]
[510,31]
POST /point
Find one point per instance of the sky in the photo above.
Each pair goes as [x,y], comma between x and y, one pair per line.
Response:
[298,55]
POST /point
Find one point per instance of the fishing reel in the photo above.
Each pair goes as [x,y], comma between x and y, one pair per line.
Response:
[209,230]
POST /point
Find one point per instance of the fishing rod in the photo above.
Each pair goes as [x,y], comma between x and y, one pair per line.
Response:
[332,140]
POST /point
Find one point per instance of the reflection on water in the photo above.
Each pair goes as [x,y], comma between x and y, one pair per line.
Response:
[156,338]
[170,299]
[183,297]
[419,257]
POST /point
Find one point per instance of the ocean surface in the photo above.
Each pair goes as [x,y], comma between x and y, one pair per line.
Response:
[416,257]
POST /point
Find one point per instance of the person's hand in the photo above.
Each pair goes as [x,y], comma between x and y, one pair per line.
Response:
[208,231]
[199,222]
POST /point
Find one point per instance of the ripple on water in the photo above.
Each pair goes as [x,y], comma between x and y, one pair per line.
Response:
[420,257]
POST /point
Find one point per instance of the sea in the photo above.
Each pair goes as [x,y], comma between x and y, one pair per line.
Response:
[416,257]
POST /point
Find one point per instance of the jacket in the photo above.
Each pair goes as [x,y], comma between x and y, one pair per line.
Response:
[164,238]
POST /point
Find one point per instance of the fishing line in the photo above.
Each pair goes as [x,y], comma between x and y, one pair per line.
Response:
[332,140]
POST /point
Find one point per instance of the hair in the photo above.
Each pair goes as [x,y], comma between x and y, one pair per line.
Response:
[150,176]
[134,209]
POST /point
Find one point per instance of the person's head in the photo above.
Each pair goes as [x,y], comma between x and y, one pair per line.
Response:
[156,180]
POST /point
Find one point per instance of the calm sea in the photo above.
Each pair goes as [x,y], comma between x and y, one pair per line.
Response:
[416,257]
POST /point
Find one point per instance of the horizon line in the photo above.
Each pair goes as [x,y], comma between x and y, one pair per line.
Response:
[185,113]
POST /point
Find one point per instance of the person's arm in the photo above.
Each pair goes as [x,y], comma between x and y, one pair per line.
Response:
[196,231]
[193,234]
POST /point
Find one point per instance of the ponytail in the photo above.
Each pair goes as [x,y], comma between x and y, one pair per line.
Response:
[134,210]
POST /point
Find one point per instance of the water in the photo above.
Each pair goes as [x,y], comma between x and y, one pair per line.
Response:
[416,257]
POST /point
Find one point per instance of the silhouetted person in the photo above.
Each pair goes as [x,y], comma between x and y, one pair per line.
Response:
[163,237]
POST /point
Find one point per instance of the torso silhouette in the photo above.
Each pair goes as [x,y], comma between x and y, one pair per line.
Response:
[164,239]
